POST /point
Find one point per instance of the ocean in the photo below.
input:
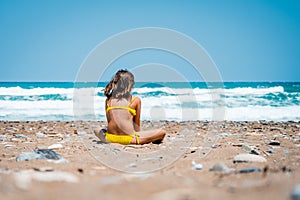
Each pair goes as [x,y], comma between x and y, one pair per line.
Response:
[240,101]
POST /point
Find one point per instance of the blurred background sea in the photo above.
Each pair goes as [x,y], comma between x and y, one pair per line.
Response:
[242,101]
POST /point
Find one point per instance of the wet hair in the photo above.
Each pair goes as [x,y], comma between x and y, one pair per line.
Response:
[120,86]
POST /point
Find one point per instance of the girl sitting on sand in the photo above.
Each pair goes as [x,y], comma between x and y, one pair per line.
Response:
[123,114]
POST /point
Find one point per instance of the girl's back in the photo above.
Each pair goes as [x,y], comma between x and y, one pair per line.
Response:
[120,114]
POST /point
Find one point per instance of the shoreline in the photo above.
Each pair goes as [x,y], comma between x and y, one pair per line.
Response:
[90,170]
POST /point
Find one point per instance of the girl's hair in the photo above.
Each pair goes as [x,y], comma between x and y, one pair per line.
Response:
[120,86]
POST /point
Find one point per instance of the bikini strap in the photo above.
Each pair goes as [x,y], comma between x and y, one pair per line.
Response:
[136,137]
[132,99]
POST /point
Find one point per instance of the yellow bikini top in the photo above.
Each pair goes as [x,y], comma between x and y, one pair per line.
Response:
[131,110]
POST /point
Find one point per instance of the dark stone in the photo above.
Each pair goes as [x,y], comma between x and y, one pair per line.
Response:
[285,169]
[48,154]
[250,169]
[39,154]
[270,151]
[274,142]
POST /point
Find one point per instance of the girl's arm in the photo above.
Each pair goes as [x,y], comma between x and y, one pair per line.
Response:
[136,118]
[106,109]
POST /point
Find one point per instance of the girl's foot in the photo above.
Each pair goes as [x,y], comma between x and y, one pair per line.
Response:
[100,133]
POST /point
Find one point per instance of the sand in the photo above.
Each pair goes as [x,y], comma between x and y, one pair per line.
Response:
[178,168]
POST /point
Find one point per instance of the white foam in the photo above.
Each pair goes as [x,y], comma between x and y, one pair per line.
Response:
[253,113]
[18,91]
[203,91]
[253,91]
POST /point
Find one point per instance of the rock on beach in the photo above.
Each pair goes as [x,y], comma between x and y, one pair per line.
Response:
[248,158]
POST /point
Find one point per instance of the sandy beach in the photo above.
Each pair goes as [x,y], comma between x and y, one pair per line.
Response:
[197,160]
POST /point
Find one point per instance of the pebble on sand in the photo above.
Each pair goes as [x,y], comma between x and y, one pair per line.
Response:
[175,194]
[9,145]
[55,146]
[250,149]
[221,135]
[5,171]
[295,195]
[274,142]
[20,136]
[81,133]
[44,169]
[196,166]
[3,137]
[40,134]
[270,151]
[250,169]
[221,167]
[39,154]
[248,158]
[23,178]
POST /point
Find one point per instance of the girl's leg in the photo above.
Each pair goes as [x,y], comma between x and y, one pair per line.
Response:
[156,135]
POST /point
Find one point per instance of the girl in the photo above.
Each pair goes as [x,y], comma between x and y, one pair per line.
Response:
[123,114]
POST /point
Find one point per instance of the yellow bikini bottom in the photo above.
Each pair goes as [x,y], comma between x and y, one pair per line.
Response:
[121,139]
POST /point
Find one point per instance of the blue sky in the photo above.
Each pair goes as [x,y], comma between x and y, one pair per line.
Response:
[251,40]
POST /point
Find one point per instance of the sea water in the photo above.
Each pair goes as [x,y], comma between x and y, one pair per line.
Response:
[55,101]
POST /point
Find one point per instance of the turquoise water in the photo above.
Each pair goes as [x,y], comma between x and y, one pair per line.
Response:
[277,101]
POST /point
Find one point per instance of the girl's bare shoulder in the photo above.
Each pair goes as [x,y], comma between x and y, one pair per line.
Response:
[136,101]
[136,98]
